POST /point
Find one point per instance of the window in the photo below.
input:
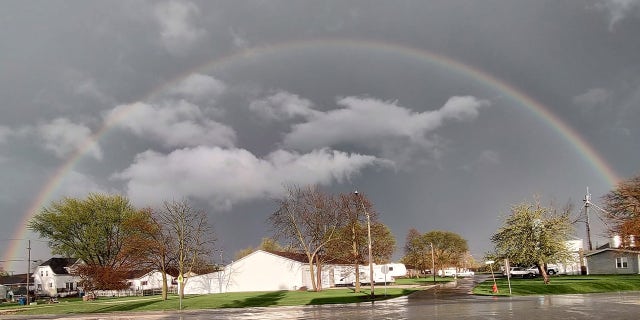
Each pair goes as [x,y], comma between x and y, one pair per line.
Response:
[622,263]
[144,283]
[46,273]
[41,273]
[50,284]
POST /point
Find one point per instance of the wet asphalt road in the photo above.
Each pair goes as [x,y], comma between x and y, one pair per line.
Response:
[451,301]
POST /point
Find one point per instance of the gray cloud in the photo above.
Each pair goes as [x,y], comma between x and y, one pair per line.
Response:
[618,10]
[283,106]
[178,30]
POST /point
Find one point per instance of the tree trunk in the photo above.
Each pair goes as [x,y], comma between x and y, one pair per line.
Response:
[164,285]
[312,274]
[543,273]
[318,274]
[355,258]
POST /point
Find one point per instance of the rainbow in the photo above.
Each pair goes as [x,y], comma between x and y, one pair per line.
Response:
[542,112]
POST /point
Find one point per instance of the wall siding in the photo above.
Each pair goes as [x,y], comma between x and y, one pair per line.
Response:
[605,263]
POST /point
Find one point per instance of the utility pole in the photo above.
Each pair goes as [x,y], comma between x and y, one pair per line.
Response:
[371,275]
[587,203]
[433,263]
[28,268]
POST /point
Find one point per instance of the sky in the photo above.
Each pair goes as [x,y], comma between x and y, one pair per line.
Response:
[444,114]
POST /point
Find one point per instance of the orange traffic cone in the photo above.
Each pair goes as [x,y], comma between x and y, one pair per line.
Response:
[495,288]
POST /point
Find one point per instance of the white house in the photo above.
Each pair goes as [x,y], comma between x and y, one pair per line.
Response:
[148,280]
[53,277]
[259,271]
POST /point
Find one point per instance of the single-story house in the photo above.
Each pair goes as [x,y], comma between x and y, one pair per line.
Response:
[53,277]
[613,261]
[148,280]
[17,283]
[260,271]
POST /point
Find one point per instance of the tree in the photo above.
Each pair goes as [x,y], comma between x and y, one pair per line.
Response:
[448,247]
[191,235]
[308,219]
[158,243]
[267,244]
[417,252]
[622,205]
[354,235]
[534,235]
[98,230]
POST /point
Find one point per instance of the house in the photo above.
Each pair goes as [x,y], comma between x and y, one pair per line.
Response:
[608,260]
[148,280]
[53,277]
[259,271]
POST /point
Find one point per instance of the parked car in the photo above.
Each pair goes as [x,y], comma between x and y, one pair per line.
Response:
[523,272]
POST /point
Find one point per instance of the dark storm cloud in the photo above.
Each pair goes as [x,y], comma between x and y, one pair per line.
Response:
[433,149]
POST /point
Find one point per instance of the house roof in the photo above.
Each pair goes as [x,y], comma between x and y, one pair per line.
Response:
[301,257]
[58,265]
[15,279]
[595,252]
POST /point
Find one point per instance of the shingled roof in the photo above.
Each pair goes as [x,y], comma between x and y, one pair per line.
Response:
[58,264]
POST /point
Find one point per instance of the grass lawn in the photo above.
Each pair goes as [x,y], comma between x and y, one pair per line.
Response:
[562,285]
[421,281]
[210,301]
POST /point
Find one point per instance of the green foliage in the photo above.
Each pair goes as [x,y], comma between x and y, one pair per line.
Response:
[449,249]
[94,229]
[533,235]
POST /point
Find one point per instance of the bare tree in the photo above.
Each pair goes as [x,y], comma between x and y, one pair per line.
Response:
[191,235]
[309,220]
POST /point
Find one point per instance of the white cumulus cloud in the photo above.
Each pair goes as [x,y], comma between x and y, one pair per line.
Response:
[63,137]
[179,32]
[176,124]
[225,177]
[373,122]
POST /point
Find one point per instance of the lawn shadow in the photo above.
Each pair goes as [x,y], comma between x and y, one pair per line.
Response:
[126,306]
[358,298]
[263,300]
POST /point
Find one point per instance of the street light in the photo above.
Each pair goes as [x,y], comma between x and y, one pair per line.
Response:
[371,277]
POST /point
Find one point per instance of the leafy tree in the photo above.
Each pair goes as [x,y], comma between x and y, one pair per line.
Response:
[435,248]
[157,242]
[623,209]
[308,219]
[417,252]
[354,235]
[98,230]
[449,248]
[267,244]
[533,235]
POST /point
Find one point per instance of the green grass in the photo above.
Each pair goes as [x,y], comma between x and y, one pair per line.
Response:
[562,285]
[191,302]
[421,281]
